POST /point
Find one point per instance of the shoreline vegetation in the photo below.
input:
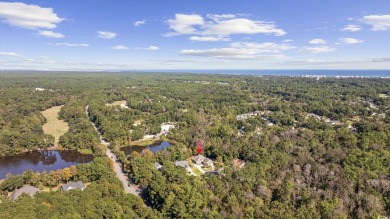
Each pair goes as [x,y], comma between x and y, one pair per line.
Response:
[145,143]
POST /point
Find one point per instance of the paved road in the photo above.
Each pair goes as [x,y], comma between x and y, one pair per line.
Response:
[129,187]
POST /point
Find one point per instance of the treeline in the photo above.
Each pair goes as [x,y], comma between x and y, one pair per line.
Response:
[20,118]
[81,134]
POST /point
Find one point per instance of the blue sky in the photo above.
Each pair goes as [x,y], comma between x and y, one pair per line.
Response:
[194,34]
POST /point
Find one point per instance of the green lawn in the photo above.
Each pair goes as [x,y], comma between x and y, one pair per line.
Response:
[117,103]
[144,142]
[85,151]
[194,169]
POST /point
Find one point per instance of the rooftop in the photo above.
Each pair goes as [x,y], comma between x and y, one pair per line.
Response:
[72,185]
[30,190]
[157,165]
[182,163]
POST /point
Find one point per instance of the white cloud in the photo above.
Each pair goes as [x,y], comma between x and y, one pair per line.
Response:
[230,53]
[50,34]
[242,26]
[287,40]
[28,16]
[346,62]
[317,41]
[106,35]
[208,38]
[350,40]
[119,47]
[201,61]
[378,22]
[352,28]
[263,47]
[10,54]
[217,17]
[221,26]
[318,49]
[184,24]
[242,50]
[139,23]
[152,48]
[70,44]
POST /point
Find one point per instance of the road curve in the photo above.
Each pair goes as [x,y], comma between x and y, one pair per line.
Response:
[127,185]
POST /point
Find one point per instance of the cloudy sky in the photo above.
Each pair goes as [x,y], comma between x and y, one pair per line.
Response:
[195,34]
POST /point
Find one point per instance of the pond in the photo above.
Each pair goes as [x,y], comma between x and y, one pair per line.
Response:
[153,148]
[41,160]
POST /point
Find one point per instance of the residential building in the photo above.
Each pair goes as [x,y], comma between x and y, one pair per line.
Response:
[72,185]
[157,166]
[184,164]
[30,190]
[198,159]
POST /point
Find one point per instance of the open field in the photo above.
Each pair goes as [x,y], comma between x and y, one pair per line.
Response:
[85,151]
[121,103]
[54,126]
[138,122]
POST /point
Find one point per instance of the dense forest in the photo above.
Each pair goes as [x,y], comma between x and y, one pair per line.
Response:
[312,148]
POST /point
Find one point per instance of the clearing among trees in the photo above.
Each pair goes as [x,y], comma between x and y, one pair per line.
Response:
[121,103]
[54,126]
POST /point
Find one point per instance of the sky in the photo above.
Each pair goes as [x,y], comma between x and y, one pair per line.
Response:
[194,34]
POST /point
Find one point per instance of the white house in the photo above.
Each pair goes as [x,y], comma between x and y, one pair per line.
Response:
[157,166]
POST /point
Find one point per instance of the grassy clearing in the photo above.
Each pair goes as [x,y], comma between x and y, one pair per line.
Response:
[137,122]
[195,170]
[85,151]
[144,142]
[53,189]
[384,95]
[54,126]
[121,103]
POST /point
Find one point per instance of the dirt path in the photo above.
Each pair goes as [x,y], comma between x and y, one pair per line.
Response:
[127,185]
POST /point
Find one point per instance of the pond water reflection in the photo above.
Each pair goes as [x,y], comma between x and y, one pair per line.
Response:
[153,148]
[41,160]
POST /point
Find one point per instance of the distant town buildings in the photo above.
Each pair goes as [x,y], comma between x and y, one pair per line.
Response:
[245,116]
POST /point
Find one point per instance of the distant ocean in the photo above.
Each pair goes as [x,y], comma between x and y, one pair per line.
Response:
[327,73]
